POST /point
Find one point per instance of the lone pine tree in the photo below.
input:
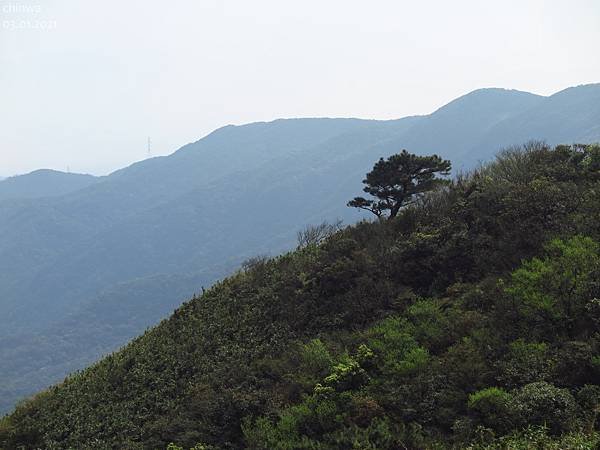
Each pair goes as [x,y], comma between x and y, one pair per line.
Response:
[397,181]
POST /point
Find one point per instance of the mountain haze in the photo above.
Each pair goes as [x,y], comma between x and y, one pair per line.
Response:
[43,183]
[150,235]
[467,120]
[567,116]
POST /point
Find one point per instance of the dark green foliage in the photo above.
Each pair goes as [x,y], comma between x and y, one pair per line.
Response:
[534,438]
[525,362]
[471,320]
[541,403]
[399,180]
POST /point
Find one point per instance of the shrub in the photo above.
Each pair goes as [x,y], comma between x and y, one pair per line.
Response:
[492,407]
[525,362]
[542,403]
[560,286]
[315,234]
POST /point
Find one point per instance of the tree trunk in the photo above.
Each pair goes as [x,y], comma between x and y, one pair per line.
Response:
[394,210]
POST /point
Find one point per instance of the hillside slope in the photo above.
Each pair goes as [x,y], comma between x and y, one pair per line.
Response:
[166,217]
[438,328]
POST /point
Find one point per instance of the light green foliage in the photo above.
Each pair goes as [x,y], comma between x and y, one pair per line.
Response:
[315,357]
[561,284]
[172,446]
[315,361]
[397,350]
[429,322]
[346,375]
[492,406]
[488,398]
[364,355]
[299,426]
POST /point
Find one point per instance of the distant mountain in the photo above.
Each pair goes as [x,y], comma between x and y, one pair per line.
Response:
[465,121]
[43,183]
[194,216]
[569,116]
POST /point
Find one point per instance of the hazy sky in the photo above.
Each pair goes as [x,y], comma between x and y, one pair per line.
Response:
[84,83]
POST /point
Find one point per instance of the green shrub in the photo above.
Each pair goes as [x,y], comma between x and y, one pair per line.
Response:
[525,362]
[542,403]
[560,286]
[492,407]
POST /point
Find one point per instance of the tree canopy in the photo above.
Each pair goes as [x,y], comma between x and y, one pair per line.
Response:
[397,181]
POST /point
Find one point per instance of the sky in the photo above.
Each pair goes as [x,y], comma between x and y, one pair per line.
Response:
[83,84]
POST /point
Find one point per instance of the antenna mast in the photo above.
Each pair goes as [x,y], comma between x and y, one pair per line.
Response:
[149,147]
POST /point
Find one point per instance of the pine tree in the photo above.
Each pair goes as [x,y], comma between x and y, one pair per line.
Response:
[399,180]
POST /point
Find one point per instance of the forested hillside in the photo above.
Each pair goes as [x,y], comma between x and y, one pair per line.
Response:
[471,320]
